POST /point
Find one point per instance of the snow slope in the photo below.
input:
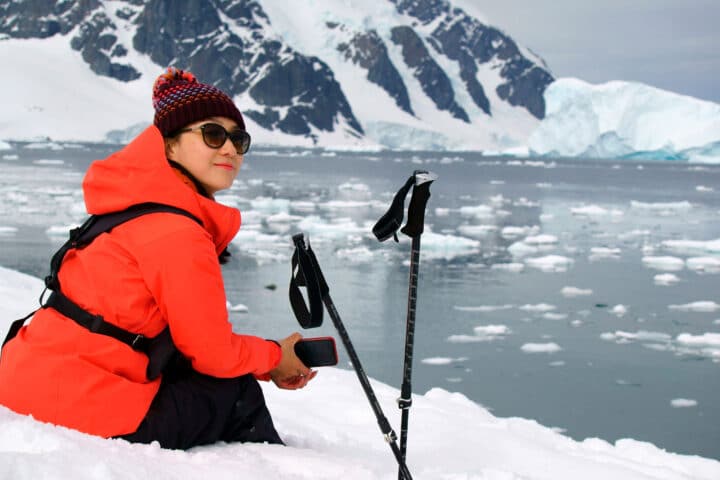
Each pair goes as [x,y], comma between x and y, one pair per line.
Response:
[626,119]
[306,29]
[331,433]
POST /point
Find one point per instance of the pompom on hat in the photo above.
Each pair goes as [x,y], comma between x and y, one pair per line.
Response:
[179,99]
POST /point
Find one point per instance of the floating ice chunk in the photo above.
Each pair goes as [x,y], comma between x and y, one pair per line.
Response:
[442,360]
[522,249]
[709,339]
[6,231]
[619,310]
[570,292]
[354,187]
[491,330]
[539,307]
[302,206]
[477,231]
[356,255]
[483,333]
[640,336]
[4,145]
[683,403]
[600,253]
[438,246]
[442,212]
[251,218]
[478,211]
[701,306]
[551,347]
[703,188]
[555,316]
[343,204]
[704,264]
[262,247]
[665,279]
[282,217]
[511,233]
[550,263]
[49,162]
[59,230]
[663,208]
[541,239]
[239,308]
[594,211]
[270,205]
[509,267]
[668,264]
[317,227]
[692,247]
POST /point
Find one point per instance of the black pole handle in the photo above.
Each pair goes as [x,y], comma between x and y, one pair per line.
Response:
[416,211]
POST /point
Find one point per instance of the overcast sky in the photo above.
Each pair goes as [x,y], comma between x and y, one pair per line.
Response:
[670,44]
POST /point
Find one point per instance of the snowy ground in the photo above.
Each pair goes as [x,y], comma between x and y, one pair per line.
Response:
[331,433]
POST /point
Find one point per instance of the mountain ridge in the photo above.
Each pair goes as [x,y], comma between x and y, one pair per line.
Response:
[435,71]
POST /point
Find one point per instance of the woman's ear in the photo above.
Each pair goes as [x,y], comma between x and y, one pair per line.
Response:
[170,144]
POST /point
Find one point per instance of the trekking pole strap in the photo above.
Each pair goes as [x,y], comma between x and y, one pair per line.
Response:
[306,273]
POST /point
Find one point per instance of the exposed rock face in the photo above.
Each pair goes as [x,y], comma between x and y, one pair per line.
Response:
[435,83]
[369,51]
[470,43]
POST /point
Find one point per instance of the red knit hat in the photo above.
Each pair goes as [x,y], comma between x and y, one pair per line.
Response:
[179,99]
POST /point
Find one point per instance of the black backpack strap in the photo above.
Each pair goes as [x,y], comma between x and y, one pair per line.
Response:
[98,224]
[15,327]
[95,323]
[160,348]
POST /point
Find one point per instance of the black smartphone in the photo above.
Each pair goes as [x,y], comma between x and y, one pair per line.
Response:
[317,352]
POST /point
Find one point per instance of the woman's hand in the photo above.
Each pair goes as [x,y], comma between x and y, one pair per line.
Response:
[291,373]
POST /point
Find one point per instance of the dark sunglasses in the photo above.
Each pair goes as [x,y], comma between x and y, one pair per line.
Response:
[215,136]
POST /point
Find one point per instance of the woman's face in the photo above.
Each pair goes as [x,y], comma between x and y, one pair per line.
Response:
[214,168]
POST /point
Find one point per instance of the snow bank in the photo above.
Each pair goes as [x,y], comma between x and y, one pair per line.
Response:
[626,120]
[331,433]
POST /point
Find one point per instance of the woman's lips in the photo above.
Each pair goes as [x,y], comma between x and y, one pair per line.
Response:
[226,166]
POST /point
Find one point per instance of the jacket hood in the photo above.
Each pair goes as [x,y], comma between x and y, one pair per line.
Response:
[140,173]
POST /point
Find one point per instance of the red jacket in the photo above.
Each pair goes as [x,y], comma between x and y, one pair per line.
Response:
[159,269]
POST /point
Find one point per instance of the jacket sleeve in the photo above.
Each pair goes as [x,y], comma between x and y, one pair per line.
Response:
[183,274]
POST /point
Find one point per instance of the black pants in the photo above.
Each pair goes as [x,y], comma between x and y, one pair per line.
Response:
[195,409]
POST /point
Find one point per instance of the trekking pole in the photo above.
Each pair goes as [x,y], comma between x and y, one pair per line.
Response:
[310,276]
[387,225]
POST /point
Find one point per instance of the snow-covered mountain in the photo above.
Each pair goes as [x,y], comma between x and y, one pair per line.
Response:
[626,120]
[394,73]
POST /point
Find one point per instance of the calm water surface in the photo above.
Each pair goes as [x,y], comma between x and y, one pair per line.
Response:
[594,382]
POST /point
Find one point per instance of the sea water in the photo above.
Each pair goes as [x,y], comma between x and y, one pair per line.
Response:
[583,294]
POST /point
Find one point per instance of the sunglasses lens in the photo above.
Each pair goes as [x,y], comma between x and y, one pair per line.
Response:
[214,135]
[241,140]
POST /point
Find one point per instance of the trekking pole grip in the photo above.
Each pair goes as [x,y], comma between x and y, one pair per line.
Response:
[418,202]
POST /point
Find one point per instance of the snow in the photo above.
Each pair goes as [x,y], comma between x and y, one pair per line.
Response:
[626,120]
[335,435]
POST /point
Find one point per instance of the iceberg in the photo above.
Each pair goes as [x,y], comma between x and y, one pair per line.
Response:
[626,120]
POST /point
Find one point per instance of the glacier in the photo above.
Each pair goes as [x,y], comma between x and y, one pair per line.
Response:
[626,120]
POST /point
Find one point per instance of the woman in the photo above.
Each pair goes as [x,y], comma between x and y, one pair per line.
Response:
[156,271]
